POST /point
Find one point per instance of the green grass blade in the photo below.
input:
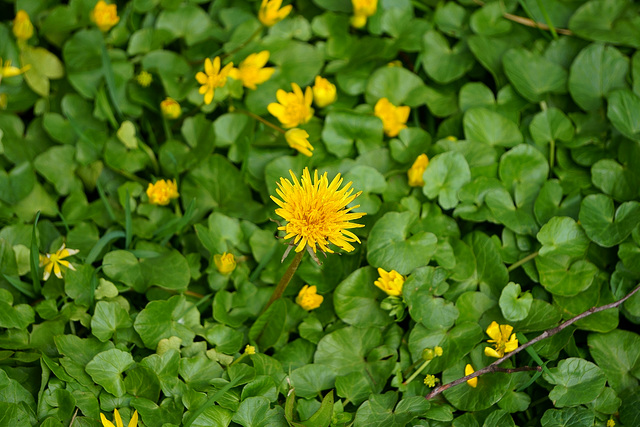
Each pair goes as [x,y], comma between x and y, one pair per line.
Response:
[127,222]
[109,77]
[34,257]
[104,241]
[547,19]
[20,286]
[105,201]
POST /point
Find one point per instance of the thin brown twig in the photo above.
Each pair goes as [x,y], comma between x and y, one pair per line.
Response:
[529,22]
[546,334]
[514,370]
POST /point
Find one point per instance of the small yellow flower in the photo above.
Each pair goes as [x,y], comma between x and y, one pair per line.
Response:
[54,261]
[468,370]
[105,15]
[438,350]
[416,171]
[270,13]
[118,420]
[144,79]
[308,298]
[251,70]
[390,282]
[249,349]
[22,26]
[162,192]
[502,338]
[298,139]
[324,92]
[8,70]
[212,78]
[292,108]
[611,422]
[430,380]
[396,63]
[362,9]
[393,118]
[225,263]
[317,212]
[451,138]
[170,108]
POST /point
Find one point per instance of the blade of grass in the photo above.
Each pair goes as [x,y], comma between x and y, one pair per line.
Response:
[523,340]
[104,241]
[105,201]
[20,286]
[211,401]
[34,257]
[127,221]
[530,15]
[547,19]
[111,81]
[172,227]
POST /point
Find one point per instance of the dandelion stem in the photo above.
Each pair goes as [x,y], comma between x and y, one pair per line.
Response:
[288,275]
[522,261]
[261,120]
[546,334]
[417,372]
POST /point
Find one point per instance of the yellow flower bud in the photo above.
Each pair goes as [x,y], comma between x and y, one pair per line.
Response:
[162,192]
[390,282]
[170,108]
[468,370]
[144,78]
[430,380]
[438,350]
[22,26]
[249,349]
[225,263]
[308,298]
[362,9]
[416,171]
[324,92]
[299,139]
[104,15]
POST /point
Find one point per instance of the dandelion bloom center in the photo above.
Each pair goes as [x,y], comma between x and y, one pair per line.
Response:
[316,211]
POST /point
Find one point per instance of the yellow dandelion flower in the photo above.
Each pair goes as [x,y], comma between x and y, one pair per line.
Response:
[52,262]
[468,370]
[324,92]
[212,78]
[393,118]
[390,282]
[144,79]
[170,108]
[8,70]
[249,349]
[292,108]
[105,16]
[162,192]
[308,298]
[270,12]
[416,171]
[22,26]
[502,338]
[316,212]
[225,263]
[298,139]
[362,9]
[116,417]
[251,71]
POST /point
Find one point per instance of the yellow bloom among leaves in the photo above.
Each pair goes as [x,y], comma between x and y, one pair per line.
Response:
[390,282]
[504,341]
[52,262]
[162,192]
[393,118]
[170,108]
[308,298]
[249,349]
[144,79]
[105,16]
[430,380]
[317,212]
[468,370]
[8,70]
[324,92]
[416,171]
[212,78]
[298,139]
[270,12]
[611,422]
[22,26]
[292,108]
[251,71]
[362,9]
[225,263]
[116,417]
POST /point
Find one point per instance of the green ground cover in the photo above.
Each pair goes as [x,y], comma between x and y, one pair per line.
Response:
[177,249]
